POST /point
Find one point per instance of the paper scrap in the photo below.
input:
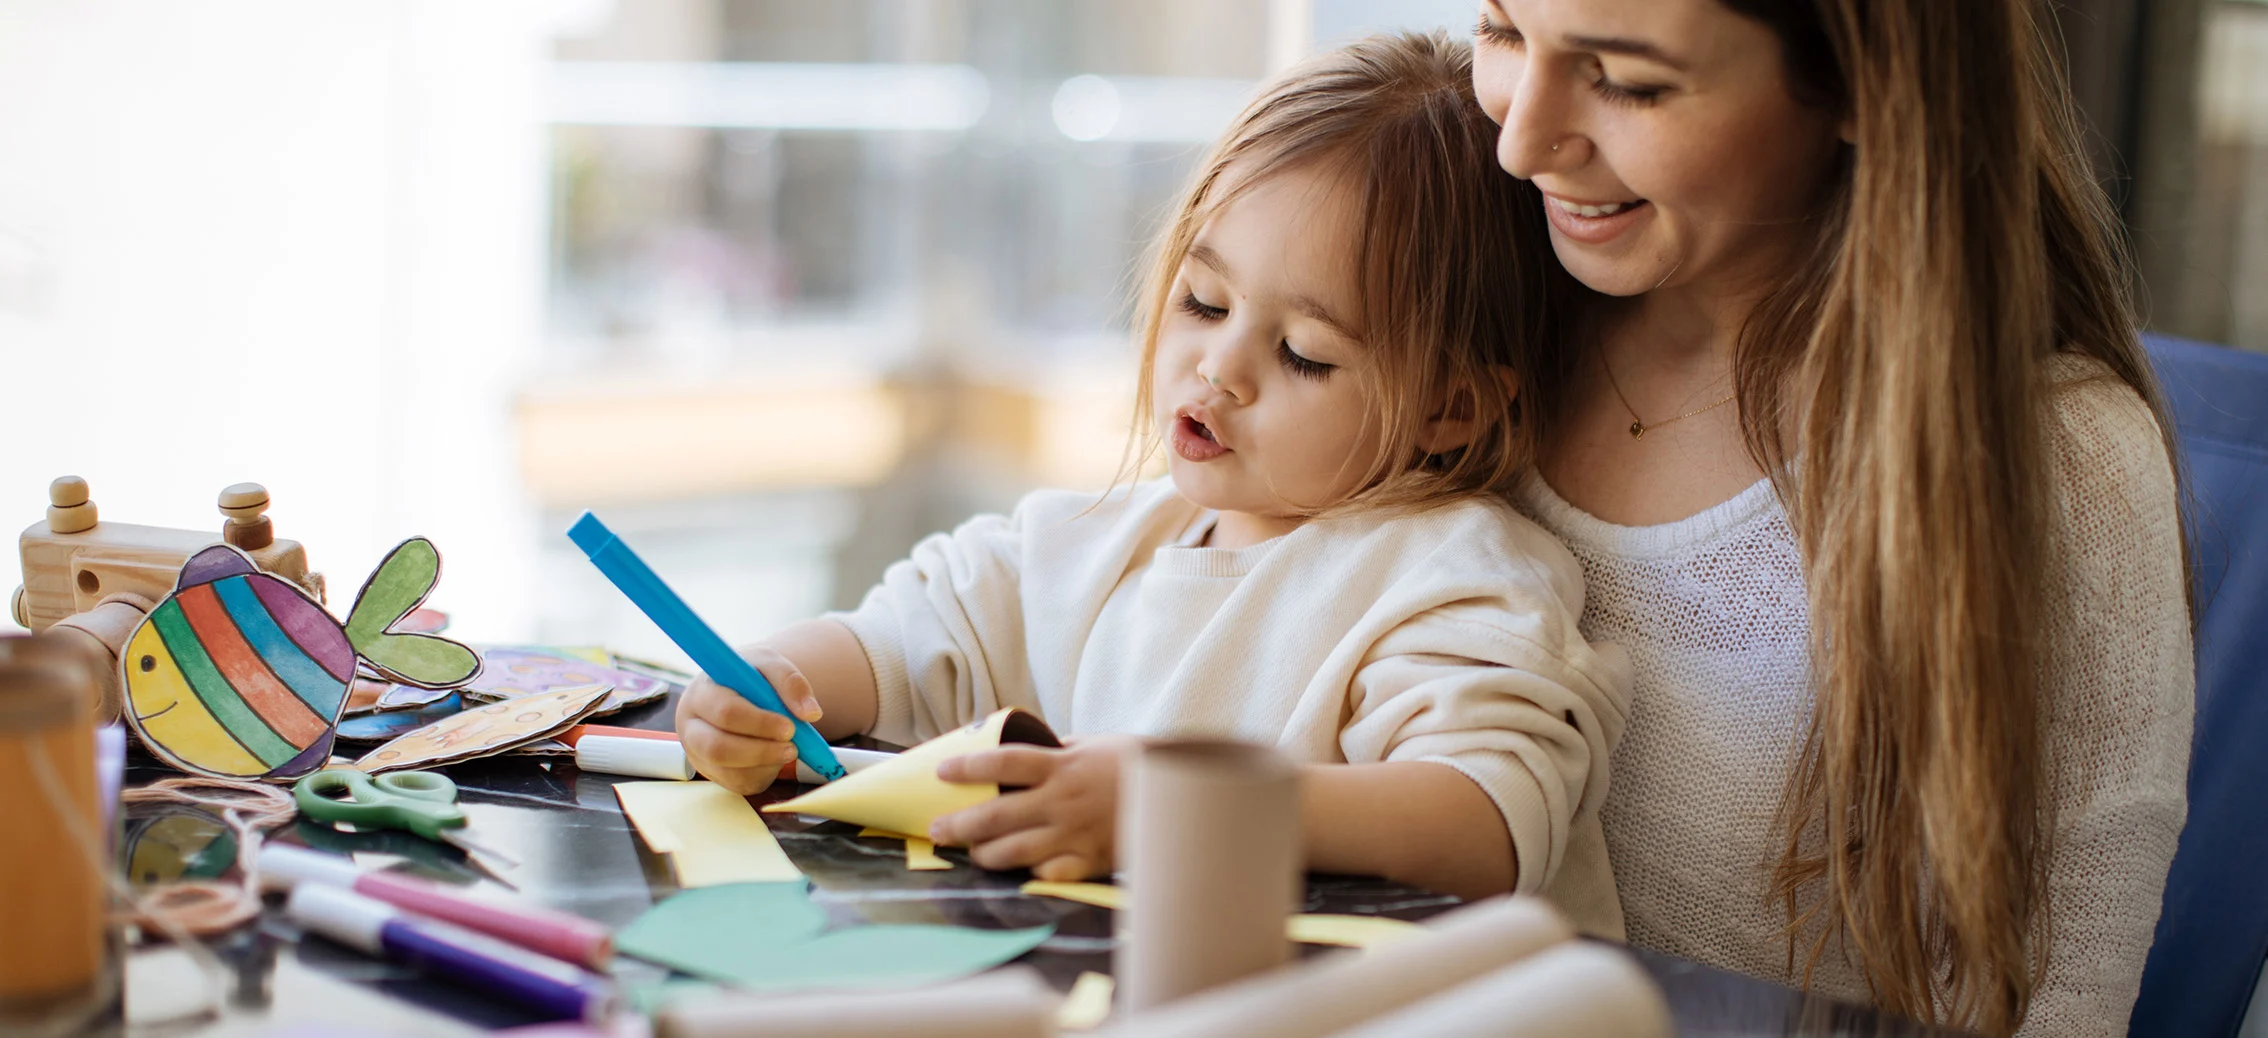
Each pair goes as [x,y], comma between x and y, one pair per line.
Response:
[485,731]
[710,834]
[1088,1004]
[921,853]
[767,937]
[1100,895]
[1352,931]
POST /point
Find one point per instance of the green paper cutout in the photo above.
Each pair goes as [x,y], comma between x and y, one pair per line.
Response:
[768,937]
[395,589]
[723,923]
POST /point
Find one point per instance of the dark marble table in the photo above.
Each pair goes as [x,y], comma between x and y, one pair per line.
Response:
[578,853]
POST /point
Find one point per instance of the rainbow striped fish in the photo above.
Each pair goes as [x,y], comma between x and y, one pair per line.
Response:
[240,674]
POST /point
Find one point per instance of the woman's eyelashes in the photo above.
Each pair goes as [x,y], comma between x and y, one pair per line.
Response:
[1632,94]
[1304,367]
[1626,94]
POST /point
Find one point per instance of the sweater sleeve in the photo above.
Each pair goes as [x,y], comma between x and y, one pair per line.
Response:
[2119,690]
[944,630]
[1506,691]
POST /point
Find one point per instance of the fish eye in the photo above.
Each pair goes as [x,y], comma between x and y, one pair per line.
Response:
[149,663]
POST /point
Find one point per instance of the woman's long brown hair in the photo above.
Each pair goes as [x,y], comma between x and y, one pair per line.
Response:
[1895,390]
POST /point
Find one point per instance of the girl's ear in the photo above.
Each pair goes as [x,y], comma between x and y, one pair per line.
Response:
[1458,420]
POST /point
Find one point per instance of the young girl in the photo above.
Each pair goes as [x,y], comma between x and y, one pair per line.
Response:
[1331,356]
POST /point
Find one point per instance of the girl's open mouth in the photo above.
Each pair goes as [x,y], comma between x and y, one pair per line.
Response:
[1193,441]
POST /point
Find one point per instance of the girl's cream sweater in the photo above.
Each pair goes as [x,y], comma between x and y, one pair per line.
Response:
[1448,635]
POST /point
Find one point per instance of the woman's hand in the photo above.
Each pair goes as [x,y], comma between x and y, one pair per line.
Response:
[1063,825]
[735,743]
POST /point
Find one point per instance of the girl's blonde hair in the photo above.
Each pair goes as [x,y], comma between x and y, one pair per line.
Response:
[1454,271]
[1894,388]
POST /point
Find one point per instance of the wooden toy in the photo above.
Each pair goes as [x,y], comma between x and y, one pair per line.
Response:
[73,560]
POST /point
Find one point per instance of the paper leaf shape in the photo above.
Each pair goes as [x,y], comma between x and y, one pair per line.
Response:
[904,795]
[762,937]
[486,730]
[237,674]
[395,590]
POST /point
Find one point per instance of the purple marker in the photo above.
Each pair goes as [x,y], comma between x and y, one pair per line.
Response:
[552,988]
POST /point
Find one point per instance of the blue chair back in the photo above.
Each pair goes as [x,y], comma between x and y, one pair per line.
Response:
[2213,930]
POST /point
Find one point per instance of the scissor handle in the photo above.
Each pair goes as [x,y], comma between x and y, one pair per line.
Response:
[422,803]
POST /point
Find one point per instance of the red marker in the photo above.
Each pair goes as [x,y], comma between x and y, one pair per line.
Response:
[566,937]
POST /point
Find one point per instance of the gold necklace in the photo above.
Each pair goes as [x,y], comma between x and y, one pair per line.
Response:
[1637,426]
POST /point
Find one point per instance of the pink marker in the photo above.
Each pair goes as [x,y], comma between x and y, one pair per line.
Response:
[566,937]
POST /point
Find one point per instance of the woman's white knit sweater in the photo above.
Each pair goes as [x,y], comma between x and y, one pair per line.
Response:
[1712,611]
[1448,635]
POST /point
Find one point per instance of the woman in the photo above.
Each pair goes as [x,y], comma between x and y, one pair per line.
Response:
[1863,462]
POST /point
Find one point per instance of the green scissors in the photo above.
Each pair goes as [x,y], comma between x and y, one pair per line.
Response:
[421,802]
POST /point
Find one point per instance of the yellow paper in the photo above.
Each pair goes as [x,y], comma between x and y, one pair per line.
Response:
[904,795]
[1353,931]
[1100,895]
[1088,1004]
[710,835]
[921,853]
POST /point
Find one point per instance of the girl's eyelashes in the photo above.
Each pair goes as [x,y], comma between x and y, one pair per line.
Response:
[1302,366]
[1190,305]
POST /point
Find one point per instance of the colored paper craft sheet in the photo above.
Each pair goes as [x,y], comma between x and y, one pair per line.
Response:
[766,937]
[1088,1004]
[921,853]
[486,730]
[512,672]
[1100,895]
[710,834]
[1351,931]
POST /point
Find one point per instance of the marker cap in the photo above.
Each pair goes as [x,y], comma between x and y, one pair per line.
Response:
[341,915]
[284,867]
[644,758]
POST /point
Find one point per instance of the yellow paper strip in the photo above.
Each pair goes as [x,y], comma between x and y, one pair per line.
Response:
[1352,931]
[921,854]
[1088,1004]
[1100,895]
[710,835]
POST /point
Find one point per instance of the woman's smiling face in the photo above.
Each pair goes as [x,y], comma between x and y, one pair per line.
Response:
[1663,135]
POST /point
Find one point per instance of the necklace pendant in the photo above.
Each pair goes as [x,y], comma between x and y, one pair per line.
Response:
[1637,431]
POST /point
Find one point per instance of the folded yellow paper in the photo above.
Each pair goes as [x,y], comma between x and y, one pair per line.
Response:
[1088,1004]
[710,834]
[904,795]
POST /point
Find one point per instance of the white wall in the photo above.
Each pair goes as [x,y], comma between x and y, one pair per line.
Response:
[297,243]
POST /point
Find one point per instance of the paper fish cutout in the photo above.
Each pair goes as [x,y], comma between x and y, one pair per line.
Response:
[511,672]
[904,795]
[239,674]
[486,730]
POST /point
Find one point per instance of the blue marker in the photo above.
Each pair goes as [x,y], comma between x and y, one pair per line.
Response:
[709,652]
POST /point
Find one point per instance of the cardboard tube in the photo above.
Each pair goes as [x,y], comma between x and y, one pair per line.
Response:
[1332,992]
[1009,1003]
[1209,839]
[1577,990]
